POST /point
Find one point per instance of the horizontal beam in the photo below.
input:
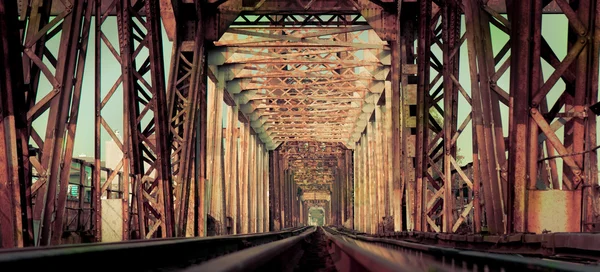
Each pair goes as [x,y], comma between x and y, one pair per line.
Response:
[342,7]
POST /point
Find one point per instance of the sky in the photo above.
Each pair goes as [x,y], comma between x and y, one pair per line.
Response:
[554,30]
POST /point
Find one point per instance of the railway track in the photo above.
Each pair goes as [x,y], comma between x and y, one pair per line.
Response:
[298,249]
[171,254]
[395,255]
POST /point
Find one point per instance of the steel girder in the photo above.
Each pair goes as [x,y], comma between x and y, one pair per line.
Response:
[187,107]
[15,212]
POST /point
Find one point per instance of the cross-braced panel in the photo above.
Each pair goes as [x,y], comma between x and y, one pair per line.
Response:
[307,83]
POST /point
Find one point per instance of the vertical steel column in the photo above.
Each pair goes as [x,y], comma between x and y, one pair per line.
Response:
[357,203]
[373,212]
[282,192]
[341,186]
[81,42]
[291,198]
[366,205]
[451,45]
[96,184]
[580,135]
[14,161]
[231,167]
[423,59]
[288,198]
[295,203]
[200,158]
[259,187]
[380,163]
[486,116]
[35,16]
[522,18]
[215,153]
[481,154]
[284,196]
[396,129]
[252,185]
[343,189]
[266,189]
[57,103]
[271,199]
[350,191]
[301,217]
[591,196]
[244,176]
[408,94]
[153,188]
[339,194]
[276,212]
[101,100]
[577,13]
[362,184]
[335,197]
[185,89]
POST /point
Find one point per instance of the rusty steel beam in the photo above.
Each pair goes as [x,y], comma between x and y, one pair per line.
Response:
[243,158]
[350,188]
[61,104]
[14,162]
[521,52]
[451,41]
[200,166]
[153,192]
[529,118]
[214,161]
[103,95]
[395,108]
[408,117]
[185,91]
[591,196]
[485,113]
[279,102]
[282,7]
[80,43]
[276,211]
[423,67]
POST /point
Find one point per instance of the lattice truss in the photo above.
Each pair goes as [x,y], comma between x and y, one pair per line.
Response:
[443,176]
[57,108]
[450,196]
[314,164]
[306,83]
[549,108]
[54,78]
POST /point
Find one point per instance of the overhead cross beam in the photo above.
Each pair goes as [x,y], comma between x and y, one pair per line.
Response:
[298,75]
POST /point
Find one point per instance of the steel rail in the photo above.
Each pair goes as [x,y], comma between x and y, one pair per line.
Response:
[275,256]
[463,260]
[158,254]
[350,256]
